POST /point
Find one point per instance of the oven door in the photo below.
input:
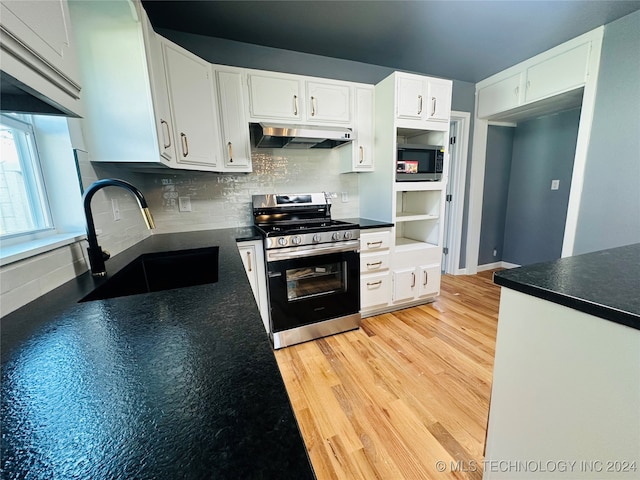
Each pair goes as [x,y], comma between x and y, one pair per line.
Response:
[306,286]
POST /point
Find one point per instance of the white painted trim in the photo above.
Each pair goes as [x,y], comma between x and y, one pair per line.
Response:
[21,251]
[479,152]
[476,192]
[582,145]
[454,228]
[502,124]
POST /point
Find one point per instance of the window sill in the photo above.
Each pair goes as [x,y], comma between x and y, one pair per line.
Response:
[15,253]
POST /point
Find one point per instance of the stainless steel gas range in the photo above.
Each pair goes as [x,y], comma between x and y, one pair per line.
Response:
[313,267]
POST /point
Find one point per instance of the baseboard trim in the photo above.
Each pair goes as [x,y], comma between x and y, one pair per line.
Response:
[493,266]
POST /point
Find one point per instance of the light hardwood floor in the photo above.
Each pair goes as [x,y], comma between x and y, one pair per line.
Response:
[407,390]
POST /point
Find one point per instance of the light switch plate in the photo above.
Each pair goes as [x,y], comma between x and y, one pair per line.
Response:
[184,204]
[555,184]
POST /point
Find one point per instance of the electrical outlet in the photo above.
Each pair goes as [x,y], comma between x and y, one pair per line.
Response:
[495,252]
[116,209]
[555,184]
[345,197]
[184,204]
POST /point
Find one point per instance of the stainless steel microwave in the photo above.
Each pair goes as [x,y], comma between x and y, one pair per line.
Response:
[419,163]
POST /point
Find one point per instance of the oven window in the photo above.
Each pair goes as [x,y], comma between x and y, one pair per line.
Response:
[316,280]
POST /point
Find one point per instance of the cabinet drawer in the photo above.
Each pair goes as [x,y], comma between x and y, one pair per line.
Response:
[374,263]
[375,290]
[370,242]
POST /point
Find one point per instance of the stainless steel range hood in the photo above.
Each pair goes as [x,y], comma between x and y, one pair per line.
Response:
[264,135]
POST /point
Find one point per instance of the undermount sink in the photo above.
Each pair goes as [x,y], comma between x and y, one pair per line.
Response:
[154,272]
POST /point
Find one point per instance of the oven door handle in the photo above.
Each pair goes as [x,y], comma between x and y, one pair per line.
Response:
[352,245]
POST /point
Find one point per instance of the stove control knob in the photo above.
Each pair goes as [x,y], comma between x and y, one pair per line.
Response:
[336,236]
[296,240]
[316,238]
[282,241]
[348,235]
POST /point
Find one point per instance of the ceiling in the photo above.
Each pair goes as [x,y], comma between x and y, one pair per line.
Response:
[455,39]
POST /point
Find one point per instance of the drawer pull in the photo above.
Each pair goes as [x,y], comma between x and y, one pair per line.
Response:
[374,284]
[374,264]
[374,244]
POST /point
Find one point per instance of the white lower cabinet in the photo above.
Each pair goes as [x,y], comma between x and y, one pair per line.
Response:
[253,260]
[415,283]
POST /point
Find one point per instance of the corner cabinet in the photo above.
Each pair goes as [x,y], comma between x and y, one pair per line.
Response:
[409,109]
[193,108]
[38,51]
[181,112]
[253,261]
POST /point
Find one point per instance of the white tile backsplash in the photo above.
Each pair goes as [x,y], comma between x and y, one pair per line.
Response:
[217,201]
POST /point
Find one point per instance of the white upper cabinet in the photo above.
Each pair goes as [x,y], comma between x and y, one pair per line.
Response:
[363,144]
[539,82]
[500,96]
[297,99]
[236,146]
[193,108]
[38,51]
[275,97]
[159,92]
[423,98]
[560,73]
[328,102]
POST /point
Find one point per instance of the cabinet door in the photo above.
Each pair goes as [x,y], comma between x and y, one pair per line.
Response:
[328,102]
[159,92]
[193,108]
[235,130]
[439,101]
[253,261]
[500,97]
[558,74]
[404,284]
[411,99]
[363,145]
[429,280]
[275,97]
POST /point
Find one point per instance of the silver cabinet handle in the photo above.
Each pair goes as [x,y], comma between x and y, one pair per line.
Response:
[295,105]
[433,106]
[419,104]
[517,90]
[528,84]
[313,106]
[376,244]
[167,139]
[373,284]
[361,154]
[426,278]
[185,144]
[374,264]
[230,146]
[249,268]
[413,281]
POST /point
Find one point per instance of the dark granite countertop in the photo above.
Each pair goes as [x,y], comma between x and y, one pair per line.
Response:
[605,283]
[177,384]
[366,223]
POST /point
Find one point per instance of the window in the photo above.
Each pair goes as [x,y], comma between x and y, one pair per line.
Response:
[24,208]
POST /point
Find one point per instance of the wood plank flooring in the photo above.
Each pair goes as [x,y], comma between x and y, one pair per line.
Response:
[407,390]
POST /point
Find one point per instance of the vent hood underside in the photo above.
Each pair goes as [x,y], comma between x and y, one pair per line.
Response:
[265,135]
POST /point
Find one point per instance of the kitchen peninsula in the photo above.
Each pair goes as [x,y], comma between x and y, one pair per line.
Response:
[566,383]
[175,384]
